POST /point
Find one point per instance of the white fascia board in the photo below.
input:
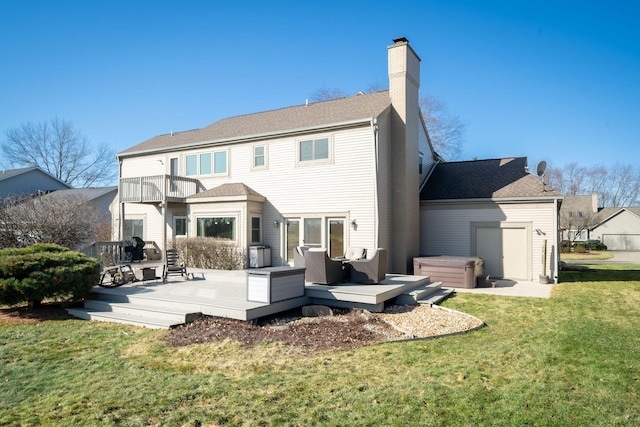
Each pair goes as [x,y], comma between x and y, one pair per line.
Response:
[255,137]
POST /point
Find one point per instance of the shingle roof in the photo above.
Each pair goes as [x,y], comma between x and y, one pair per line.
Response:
[89,193]
[317,114]
[583,203]
[227,190]
[484,179]
[13,172]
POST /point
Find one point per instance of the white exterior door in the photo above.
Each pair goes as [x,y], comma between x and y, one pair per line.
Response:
[504,250]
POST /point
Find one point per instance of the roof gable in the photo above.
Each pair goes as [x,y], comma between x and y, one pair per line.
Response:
[485,179]
[291,119]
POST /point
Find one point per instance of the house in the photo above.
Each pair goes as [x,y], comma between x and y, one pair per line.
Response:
[27,182]
[494,209]
[336,174]
[331,174]
[581,219]
[618,228]
[578,215]
[103,199]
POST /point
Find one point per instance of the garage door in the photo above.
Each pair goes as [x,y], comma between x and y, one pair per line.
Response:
[622,242]
[504,251]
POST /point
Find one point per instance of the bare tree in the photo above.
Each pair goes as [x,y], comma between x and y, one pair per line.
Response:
[617,185]
[446,130]
[61,150]
[574,224]
[327,94]
[53,218]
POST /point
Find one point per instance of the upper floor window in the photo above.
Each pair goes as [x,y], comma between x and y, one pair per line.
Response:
[191,165]
[259,156]
[313,149]
[206,163]
[220,163]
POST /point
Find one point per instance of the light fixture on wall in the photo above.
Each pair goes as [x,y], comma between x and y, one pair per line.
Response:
[540,232]
[354,224]
[276,224]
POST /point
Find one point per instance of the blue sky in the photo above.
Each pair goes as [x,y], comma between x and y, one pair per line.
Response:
[552,80]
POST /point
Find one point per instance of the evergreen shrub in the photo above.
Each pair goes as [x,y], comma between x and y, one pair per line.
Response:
[45,270]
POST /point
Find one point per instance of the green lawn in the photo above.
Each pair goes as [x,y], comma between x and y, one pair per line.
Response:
[573,359]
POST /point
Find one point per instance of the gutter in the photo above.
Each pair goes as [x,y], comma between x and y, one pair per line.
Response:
[496,200]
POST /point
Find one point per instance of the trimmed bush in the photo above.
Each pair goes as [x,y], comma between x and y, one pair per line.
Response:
[208,252]
[45,270]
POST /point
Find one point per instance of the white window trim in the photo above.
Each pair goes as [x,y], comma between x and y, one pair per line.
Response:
[328,160]
[235,215]
[181,236]
[213,162]
[265,155]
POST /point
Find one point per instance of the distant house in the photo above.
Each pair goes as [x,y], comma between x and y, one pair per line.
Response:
[578,215]
[337,174]
[103,199]
[28,181]
[618,228]
[494,209]
[581,219]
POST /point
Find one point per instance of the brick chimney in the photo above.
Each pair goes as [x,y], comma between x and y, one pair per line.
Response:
[404,85]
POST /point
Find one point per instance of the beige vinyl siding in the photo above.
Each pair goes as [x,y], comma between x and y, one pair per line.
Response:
[621,232]
[342,187]
[384,180]
[445,228]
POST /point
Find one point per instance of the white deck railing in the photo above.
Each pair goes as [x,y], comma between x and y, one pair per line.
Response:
[157,188]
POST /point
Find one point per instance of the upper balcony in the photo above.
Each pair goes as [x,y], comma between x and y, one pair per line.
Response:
[158,188]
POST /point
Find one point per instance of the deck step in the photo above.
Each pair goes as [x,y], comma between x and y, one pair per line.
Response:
[437,297]
[172,315]
[412,296]
[108,316]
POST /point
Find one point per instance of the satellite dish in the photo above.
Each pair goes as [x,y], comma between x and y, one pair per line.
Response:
[542,166]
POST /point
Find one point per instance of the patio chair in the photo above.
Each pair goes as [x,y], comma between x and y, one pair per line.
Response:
[173,265]
[298,256]
[371,270]
[114,275]
[322,269]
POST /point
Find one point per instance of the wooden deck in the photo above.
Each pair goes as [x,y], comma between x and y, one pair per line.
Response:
[160,304]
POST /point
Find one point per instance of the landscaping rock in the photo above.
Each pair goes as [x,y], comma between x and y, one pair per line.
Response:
[316,311]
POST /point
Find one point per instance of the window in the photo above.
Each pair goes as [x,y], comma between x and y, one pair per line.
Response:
[255,230]
[420,159]
[220,227]
[205,164]
[314,149]
[259,157]
[134,227]
[180,226]
[173,166]
[220,162]
[191,165]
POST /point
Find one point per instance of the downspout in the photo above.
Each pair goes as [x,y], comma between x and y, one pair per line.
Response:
[120,203]
[376,213]
[556,243]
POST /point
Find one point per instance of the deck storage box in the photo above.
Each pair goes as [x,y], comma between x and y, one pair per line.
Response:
[452,271]
[272,284]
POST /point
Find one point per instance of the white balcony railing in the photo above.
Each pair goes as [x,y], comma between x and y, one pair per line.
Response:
[157,188]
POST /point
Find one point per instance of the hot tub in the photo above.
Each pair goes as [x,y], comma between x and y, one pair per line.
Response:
[452,271]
